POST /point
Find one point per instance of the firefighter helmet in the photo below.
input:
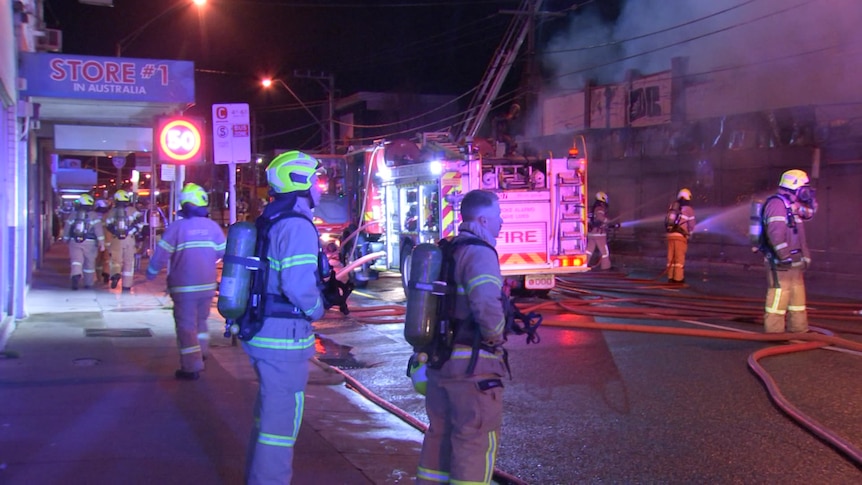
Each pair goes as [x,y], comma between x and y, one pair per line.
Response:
[122,196]
[684,194]
[86,200]
[793,179]
[195,195]
[602,197]
[291,172]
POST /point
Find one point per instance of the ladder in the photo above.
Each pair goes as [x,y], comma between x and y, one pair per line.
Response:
[498,69]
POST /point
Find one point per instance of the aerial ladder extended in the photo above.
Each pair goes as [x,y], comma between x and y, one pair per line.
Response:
[498,69]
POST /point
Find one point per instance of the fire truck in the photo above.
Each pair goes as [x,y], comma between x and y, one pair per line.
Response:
[543,203]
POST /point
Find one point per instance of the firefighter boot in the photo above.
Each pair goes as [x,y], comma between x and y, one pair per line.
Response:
[75,281]
[105,277]
[115,279]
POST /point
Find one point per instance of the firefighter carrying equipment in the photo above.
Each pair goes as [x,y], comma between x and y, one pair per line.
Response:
[673,217]
[430,325]
[243,300]
[81,225]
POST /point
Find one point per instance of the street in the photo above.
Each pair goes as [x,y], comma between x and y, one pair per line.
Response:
[587,406]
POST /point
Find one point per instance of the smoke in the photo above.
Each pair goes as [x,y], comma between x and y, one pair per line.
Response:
[764,44]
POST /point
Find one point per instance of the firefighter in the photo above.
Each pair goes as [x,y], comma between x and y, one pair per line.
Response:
[190,247]
[103,260]
[85,237]
[464,396]
[124,223]
[597,237]
[679,223]
[281,349]
[787,255]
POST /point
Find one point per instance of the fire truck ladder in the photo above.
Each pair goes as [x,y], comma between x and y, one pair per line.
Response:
[498,69]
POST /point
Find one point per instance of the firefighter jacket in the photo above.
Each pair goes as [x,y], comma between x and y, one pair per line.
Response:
[479,286]
[685,221]
[599,218]
[191,246]
[123,221]
[84,224]
[785,232]
[294,249]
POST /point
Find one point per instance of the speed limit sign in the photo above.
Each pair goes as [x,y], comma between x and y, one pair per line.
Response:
[179,139]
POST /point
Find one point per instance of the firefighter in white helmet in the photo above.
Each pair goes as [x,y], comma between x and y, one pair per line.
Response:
[786,251]
[283,344]
[597,237]
[123,222]
[679,223]
[85,237]
[192,246]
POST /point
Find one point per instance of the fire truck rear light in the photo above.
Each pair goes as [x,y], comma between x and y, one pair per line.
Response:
[567,261]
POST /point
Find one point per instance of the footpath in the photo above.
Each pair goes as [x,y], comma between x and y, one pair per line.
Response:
[89,397]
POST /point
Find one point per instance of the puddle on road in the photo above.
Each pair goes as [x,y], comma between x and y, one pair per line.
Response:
[335,354]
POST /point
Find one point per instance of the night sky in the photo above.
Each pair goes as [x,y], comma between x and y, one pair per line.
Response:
[421,46]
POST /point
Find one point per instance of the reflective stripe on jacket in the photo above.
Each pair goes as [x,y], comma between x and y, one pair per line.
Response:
[192,247]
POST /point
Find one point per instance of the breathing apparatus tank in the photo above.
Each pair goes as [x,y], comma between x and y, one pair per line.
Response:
[422,299]
[237,276]
[755,225]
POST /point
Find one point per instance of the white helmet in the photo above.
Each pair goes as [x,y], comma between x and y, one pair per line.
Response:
[602,197]
[793,179]
[684,194]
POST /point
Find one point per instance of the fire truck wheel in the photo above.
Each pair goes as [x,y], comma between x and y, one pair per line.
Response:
[405,261]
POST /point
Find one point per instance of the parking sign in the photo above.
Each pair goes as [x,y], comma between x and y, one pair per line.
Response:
[231,133]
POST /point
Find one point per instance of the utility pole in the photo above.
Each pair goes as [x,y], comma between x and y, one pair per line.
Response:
[329,87]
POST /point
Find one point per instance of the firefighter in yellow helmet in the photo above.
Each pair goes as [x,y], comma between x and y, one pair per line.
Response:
[85,237]
[786,252]
[679,223]
[123,222]
[284,342]
[597,237]
[191,246]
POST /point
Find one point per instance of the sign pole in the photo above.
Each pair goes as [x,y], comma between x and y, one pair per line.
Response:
[232,194]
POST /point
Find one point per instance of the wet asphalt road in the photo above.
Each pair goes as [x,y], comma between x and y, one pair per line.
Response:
[589,406]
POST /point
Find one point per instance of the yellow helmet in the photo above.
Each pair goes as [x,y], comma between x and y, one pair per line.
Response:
[86,200]
[602,197]
[291,172]
[195,195]
[122,196]
[793,179]
[684,194]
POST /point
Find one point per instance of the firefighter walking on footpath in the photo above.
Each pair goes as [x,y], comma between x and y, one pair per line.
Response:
[597,237]
[786,252]
[679,223]
[190,247]
[123,222]
[282,340]
[464,389]
[85,237]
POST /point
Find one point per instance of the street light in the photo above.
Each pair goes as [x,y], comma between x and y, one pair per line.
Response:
[267,83]
[127,40]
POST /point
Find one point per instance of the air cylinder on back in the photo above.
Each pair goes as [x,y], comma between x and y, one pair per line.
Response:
[421,320]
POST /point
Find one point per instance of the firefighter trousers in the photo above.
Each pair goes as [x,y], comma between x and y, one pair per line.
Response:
[785,302]
[599,242]
[123,259]
[82,256]
[460,445]
[279,354]
[191,311]
[677,245]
